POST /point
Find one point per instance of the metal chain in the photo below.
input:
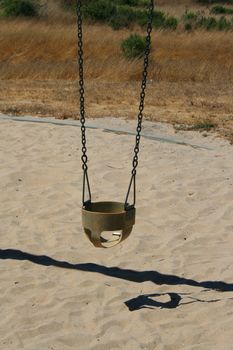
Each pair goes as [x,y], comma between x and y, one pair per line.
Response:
[141,106]
[84,157]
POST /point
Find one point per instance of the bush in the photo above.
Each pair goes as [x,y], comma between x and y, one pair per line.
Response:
[189,16]
[218,10]
[171,23]
[124,16]
[224,24]
[128,2]
[208,23]
[159,19]
[143,3]
[134,46]
[188,27]
[196,20]
[15,8]
[190,20]
[121,16]
[141,17]
[208,2]
[100,10]
[69,4]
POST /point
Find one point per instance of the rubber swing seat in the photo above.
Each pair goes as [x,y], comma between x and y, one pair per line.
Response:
[105,218]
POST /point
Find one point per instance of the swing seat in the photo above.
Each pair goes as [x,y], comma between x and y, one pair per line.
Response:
[101,218]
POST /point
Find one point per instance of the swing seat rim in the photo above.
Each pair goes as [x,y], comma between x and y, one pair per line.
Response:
[90,206]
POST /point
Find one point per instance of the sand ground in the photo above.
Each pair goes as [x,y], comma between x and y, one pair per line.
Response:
[168,287]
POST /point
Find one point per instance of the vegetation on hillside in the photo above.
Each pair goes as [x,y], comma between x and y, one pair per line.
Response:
[190,73]
[15,8]
[220,10]
[209,2]
[128,13]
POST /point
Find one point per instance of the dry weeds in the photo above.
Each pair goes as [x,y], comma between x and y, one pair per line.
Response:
[191,75]
[48,51]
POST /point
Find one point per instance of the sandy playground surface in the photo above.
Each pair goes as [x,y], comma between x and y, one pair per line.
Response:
[168,287]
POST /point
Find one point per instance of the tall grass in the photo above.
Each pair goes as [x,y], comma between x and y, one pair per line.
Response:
[41,50]
[191,73]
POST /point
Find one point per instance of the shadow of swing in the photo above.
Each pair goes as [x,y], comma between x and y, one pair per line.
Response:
[142,301]
[147,301]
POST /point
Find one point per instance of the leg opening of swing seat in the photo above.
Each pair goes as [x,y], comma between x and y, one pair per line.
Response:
[110,239]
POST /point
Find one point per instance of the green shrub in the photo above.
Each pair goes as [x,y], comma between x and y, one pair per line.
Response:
[196,20]
[119,15]
[128,2]
[208,23]
[124,16]
[141,17]
[188,26]
[190,20]
[218,10]
[143,3]
[15,8]
[69,4]
[100,10]
[189,16]
[224,24]
[171,23]
[211,23]
[159,19]
[134,46]
[208,2]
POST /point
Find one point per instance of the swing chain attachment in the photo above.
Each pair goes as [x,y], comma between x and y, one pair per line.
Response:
[141,108]
[84,157]
[115,218]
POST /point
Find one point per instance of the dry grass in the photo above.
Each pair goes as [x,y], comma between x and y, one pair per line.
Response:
[177,103]
[191,74]
[48,51]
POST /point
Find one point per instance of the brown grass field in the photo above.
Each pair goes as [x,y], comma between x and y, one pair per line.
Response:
[190,78]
